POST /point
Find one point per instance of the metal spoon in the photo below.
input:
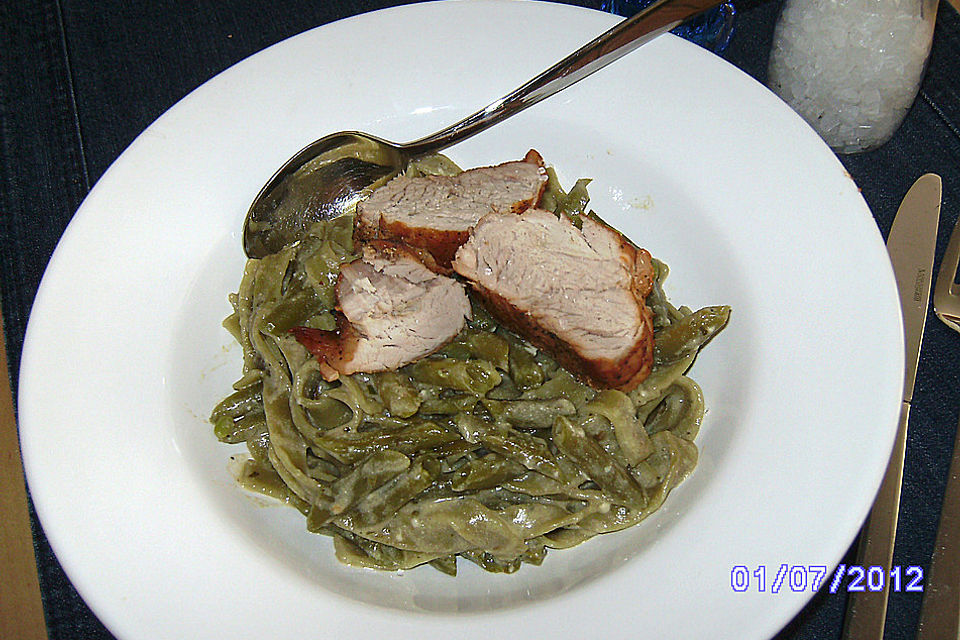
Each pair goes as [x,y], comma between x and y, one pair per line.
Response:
[331,175]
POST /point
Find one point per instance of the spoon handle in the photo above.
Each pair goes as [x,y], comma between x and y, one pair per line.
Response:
[620,40]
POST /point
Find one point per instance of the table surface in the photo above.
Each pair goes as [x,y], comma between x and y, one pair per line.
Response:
[80,79]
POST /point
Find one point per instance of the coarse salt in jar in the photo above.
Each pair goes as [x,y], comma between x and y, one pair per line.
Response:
[851,68]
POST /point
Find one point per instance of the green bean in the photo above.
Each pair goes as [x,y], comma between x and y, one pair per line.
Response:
[538,518]
[660,379]
[535,553]
[680,410]
[352,554]
[398,393]
[356,551]
[506,390]
[251,378]
[458,350]
[323,321]
[337,231]
[632,438]
[432,165]
[567,537]
[329,413]
[446,564]
[574,204]
[529,414]
[689,334]
[270,273]
[471,427]
[239,404]
[379,505]
[489,347]
[265,480]
[600,466]
[537,485]
[552,192]
[615,518]
[448,405]
[232,324]
[292,311]
[378,469]
[320,412]
[454,448]
[488,562]
[523,448]
[524,368]
[421,436]
[673,458]
[322,251]
[326,471]
[664,313]
[482,345]
[258,445]
[487,472]
[358,387]
[562,385]
[472,376]
[481,319]
[236,431]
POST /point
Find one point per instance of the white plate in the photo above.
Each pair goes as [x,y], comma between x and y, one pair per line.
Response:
[124,356]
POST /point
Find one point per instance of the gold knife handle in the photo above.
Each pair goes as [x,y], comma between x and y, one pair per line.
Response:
[940,612]
[867,610]
[21,610]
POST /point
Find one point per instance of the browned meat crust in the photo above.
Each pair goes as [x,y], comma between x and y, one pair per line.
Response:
[441,244]
[538,275]
[392,310]
[623,373]
[436,213]
[332,349]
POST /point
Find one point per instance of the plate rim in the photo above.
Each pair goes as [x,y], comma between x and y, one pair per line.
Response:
[30,347]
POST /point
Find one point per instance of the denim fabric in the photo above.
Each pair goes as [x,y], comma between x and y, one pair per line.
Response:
[80,79]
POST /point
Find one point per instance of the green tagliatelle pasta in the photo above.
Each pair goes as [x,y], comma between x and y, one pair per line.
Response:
[487,450]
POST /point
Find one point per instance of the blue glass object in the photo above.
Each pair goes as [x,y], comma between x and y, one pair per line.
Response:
[711,30]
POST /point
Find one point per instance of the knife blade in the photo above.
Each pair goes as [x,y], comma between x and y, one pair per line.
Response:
[911,245]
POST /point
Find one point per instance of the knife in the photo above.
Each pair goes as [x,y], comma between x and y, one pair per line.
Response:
[21,610]
[911,245]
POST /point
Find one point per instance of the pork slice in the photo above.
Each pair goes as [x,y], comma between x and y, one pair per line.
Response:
[579,294]
[392,311]
[436,212]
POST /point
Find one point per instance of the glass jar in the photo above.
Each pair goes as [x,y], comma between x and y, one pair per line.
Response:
[851,68]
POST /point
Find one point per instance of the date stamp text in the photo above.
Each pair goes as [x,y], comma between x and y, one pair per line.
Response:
[808,577]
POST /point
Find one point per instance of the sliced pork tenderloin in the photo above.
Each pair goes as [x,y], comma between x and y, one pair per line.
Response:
[436,212]
[392,311]
[579,294]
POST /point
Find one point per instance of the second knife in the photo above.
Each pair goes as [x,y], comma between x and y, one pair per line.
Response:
[911,245]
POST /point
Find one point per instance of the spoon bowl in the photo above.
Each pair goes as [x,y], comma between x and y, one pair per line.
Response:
[323,180]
